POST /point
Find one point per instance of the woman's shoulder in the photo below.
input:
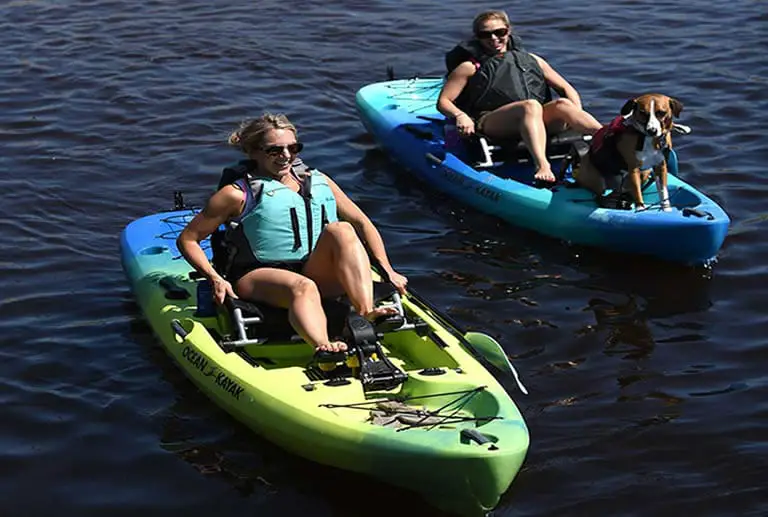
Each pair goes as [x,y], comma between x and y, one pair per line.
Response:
[229,194]
[464,52]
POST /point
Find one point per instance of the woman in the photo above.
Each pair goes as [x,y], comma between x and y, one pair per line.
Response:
[496,88]
[282,260]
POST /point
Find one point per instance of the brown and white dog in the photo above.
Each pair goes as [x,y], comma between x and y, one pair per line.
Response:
[623,153]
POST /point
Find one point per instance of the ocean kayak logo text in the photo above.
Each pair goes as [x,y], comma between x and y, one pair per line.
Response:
[220,378]
[458,179]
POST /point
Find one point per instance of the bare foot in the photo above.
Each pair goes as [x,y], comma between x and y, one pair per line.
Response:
[377,312]
[333,346]
[544,174]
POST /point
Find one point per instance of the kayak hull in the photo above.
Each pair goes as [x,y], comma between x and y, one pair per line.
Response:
[269,388]
[402,117]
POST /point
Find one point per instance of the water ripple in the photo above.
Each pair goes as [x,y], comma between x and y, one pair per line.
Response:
[644,377]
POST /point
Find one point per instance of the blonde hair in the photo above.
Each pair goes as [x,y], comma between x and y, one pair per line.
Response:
[483,17]
[250,135]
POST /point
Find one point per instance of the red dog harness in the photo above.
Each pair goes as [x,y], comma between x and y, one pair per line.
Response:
[603,150]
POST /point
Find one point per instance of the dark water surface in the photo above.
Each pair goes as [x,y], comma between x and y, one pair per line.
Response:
[648,381]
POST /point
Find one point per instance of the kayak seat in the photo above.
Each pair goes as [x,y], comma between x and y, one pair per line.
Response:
[255,323]
[258,322]
[489,153]
[485,153]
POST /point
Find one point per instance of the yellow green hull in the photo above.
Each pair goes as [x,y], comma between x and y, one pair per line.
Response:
[270,388]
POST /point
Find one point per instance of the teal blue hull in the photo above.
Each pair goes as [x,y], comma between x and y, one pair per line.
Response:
[402,117]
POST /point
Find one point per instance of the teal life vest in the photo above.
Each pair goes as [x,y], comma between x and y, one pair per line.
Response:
[277,225]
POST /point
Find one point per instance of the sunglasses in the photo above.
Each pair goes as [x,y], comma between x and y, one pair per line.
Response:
[277,150]
[499,33]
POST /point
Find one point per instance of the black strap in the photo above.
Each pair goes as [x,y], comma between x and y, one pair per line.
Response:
[295,226]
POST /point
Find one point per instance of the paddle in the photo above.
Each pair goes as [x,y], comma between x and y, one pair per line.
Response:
[492,351]
[482,346]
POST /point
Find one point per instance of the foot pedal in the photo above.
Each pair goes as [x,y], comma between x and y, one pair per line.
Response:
[388,323]
[334,365]
[376,371]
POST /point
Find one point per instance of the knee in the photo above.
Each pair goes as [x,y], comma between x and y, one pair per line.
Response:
[564,106]
[341,232]
[532,108]
[304,287]
[563,103]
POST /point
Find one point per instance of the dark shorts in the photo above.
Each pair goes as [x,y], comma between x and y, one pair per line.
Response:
[480,121]
[238,271]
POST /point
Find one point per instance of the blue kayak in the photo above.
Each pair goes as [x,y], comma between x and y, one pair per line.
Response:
[402,117]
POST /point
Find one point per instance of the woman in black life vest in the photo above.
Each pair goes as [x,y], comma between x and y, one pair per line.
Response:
[500,90]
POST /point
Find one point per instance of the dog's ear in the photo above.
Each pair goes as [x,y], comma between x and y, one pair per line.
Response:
[676,106]
[628,108]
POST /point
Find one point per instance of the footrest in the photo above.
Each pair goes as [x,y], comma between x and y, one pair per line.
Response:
[388,323]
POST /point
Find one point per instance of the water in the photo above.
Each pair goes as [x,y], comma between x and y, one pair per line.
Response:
[648,386]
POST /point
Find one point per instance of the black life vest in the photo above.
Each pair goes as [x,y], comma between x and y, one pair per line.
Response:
[513,76]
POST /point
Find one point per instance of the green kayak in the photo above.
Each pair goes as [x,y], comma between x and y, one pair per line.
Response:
[410,405]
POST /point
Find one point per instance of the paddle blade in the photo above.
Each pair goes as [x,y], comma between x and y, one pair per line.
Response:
[489,348]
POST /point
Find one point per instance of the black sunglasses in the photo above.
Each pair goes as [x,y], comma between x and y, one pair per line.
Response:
[499,33]
[277,150]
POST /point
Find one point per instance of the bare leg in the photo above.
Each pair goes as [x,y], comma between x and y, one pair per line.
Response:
[526,119]
[299,295]
[339,264]
[562,113]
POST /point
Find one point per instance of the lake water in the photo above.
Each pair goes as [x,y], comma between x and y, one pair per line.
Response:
[649,392]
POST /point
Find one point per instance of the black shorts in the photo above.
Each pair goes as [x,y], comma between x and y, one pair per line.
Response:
[236,272]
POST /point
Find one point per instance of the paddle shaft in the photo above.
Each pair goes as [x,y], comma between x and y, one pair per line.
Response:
[444,319]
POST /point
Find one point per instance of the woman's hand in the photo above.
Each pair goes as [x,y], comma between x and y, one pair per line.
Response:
[221,289]
[465,125]
[398,280]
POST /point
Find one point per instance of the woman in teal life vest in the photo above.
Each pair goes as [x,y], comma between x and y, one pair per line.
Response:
[296,234]
[498,89]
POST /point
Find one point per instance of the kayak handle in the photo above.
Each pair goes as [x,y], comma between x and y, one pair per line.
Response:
[688,211]
[477,437]
[434,159]
[178,329]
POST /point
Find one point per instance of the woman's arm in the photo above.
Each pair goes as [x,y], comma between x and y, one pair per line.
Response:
[558,83]
[222,206]
[452,88]
[350,212]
